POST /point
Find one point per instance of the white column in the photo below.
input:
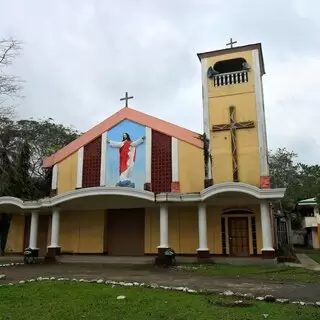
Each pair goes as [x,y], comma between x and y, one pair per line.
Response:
[34,230]
[266,227]
[55,228]
[54,181]
[164,241]
[175,159]
[80,167]
[202,226]
[148,154]
[103,162]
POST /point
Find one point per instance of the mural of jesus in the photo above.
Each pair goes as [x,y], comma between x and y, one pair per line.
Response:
[127,158]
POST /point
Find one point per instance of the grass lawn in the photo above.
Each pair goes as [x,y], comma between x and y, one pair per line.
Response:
[277,273]
[59,300]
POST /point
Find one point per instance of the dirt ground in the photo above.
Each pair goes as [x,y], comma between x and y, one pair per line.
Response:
[309,292]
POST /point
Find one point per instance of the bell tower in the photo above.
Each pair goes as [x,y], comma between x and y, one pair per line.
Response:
[235,139]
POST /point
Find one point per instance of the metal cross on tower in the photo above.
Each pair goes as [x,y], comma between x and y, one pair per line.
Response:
[126,99]
[231,43]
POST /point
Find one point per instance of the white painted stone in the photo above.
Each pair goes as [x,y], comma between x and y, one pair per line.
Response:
[120,297]
[128,284]
[74,279]
[282,301]
[22,282]
[302,303]
[154,285]
[81,280]
[52,278]
[317,303]
[2,276]
[260,298]
[100,281]
[228,293]
[136,283]
[192,291]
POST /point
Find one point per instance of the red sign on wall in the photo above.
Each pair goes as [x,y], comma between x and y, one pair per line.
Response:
[265,182]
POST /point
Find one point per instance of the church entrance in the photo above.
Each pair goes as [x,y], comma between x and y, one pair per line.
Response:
[238,236]
[125,232]
[43,228]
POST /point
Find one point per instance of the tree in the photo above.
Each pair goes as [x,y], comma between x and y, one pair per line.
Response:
[45,138]
[284,173]
[9,50]
[9,136]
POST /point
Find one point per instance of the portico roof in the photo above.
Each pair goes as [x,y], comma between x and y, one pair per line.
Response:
[205,195]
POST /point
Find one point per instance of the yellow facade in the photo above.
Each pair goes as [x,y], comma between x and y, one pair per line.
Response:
[67,174]
[82,231]
[191,167]
[15,240]
[242,97]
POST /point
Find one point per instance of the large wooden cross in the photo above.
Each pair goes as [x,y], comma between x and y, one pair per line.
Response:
[126,99]
[232,126]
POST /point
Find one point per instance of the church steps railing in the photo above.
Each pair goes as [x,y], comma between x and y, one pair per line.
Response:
[230,78]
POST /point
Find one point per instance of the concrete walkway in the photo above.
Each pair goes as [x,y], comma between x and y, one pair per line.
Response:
[306,262]
[147,260]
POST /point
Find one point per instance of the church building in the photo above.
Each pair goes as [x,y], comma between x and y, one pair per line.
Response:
[134,185]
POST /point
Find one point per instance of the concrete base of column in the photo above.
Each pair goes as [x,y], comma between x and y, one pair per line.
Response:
[52,253]
[162,249]
[268,254]
[203,254]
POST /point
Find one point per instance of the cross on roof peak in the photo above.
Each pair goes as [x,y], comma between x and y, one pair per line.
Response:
[126,99]
[231,43]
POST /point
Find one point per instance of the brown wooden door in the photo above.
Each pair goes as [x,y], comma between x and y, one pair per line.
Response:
[239,236]
[125,232]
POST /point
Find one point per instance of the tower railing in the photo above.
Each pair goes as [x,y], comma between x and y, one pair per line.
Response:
[226,79]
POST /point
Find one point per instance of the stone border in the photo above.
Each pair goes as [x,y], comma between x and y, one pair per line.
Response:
[227,293]
[12,264]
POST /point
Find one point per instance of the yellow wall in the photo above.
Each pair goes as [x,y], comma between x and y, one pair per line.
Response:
[16,235]
[82,232]
[191,167]
[183,229]
[67,174]
[152,232]
[242,97]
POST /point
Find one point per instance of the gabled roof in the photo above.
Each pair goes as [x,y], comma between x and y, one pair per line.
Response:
[124,114]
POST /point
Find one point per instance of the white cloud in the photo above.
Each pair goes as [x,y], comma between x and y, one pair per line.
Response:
[81,56]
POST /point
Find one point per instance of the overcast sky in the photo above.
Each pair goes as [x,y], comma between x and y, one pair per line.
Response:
[81,56]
